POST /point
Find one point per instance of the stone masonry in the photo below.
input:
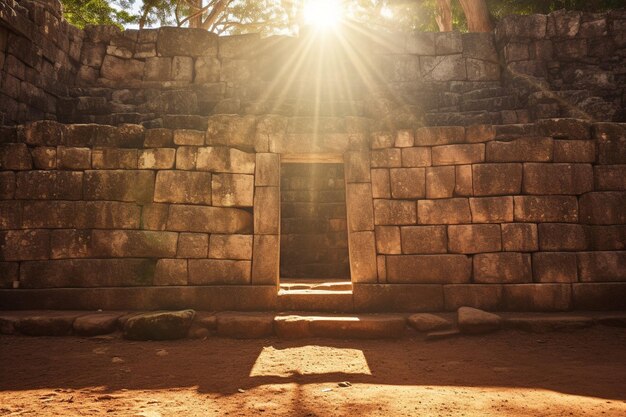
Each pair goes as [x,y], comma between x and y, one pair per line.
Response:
[142,169]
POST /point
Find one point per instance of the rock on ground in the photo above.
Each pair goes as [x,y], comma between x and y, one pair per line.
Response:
[475,321]
[425,322]
[166,325]
[48,323]
[96,324]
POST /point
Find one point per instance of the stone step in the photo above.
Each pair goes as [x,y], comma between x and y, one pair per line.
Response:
[315,300]
[319,284]
[340,327]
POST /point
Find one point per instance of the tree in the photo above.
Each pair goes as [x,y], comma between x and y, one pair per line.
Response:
[98,12]
[477,15]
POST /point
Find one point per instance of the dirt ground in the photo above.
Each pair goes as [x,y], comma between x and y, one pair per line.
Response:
[509,373]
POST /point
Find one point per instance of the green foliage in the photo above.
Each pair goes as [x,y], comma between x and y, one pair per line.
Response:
[98,12]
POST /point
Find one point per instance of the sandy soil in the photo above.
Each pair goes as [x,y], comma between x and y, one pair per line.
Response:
[509,373]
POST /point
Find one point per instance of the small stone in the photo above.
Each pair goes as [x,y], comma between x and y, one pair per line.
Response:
[475,321]
[424,322]
[166,325]
[96,324]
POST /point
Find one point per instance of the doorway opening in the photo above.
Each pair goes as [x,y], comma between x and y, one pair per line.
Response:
[313,225]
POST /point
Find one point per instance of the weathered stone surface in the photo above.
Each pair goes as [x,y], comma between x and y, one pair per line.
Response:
[601,266]
[195,42]
[9,273]
[611,142]
[603,208]
[182,68]
[491,209]
[381,187]
[475,321]
[170,272]
[610,177]
[428,269]
[416,157]
[463,180]
[562,237]
[388,240]
[359,206]
[503,267]
[70,243]
[10,215]
[186,218]
[537,297]
[458,154]
[245,325]
[532,149]
[134,243]
[443,68]
[497,179]
[549,179]
[398,297]
[394,212]
[118,69]
[232,190]
[156,158]
[546,209]
[49,185]
[423,239]
[188,137]
[548,323]
[223,159]
[265,260]
[218,271]
[267,172]
[519,237]
[425,322]
[47,323]
[44,157]
[157,69]
[24,245]
[449,211]
[207,70]
[335,327]
[483,296]
[114,158]
[474,238]
[158,138]
[267,211]
[440,182]
[192,245]
[96,324]
[154,216]
[565,128]
[599,296]
[122,185]
[166,325]
[574,151]
[611,237]
[362,247]
[387,158]
[230,247]
[444,135]
[554,267]
[73,158]
[479,133]
[44,132]
[407,183]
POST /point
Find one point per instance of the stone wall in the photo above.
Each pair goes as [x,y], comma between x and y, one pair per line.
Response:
[39,59]
[313,229]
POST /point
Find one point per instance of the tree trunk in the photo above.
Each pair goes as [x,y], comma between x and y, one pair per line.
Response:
[195,21]
[477,14]
[444,16]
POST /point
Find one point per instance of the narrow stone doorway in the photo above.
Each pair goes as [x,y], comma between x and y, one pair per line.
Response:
[314,234]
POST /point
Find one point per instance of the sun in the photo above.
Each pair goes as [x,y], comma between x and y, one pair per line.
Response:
[323,14]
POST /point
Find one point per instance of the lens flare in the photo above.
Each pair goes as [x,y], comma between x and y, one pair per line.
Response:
[323,14]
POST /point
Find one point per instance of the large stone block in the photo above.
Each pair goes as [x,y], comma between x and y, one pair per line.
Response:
[24,245]
[44,157]
[359,206]
[440,182]
[186,157]
[602,266]
[485,297]
[565,128]
[158,138]
[267,211]
[408,183]
[114,158]
[474,238]
[73,158]
[267,171]
[443,68]
[416,157]
[157,69]
[15,156]
[381,187]
[603,208]
[497,179]
[207,70]
[520,237]
[118,69]
[7,185]
[424,239]
[575,151]
[122,185]
[562,237]
[70,243]
[170,272]
[49,185]
[550,179]
[184,218]
[265,259]
[398,297]
[133,244]
[610,177]
[537,297]
[611,237]
[192,245]
[227,160]
[429,269]
[491,209]
[182,68]
[188,137]
[183,187]
[501,268]
[230,247]
[386,158]
[394,212]
[184,41]
[554,267]
[357,166]
[463,180]
[544,209]
[449,211]
[9,272]
[230,190]
[83,273]
[388,240]
[154,216]
[442,135]
[531,149]
[218,271]
[458,154]
[362,247]
[599,296]
[156,158]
